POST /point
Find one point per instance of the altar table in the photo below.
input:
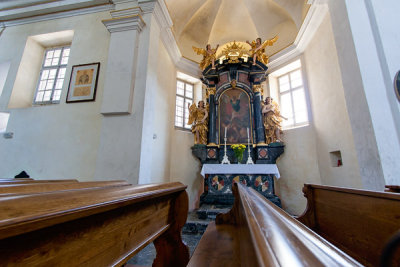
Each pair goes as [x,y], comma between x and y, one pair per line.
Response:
[240,169]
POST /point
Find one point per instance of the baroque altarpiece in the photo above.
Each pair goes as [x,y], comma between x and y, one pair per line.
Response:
[234,107]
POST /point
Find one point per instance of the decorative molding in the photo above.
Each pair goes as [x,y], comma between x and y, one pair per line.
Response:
[58,15]
[159,10]
[313,20]
[170,44]
[2,28]
[189,67]
[257,88]
[126,12]
[117,2]
[134,22]
[211,90]
[311,23]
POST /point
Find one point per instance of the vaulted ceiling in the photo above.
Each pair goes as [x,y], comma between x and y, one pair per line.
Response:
[199,22]
[202,22]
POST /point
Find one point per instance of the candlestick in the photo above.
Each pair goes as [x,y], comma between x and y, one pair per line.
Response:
[249,159]
[225,131]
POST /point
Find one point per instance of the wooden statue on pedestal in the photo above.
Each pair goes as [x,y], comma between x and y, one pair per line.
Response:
[272,121]
[198,118]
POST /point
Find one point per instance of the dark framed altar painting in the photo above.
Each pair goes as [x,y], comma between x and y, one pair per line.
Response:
[234,115]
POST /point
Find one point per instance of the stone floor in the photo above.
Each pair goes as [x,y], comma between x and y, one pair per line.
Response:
[194,228]
[146,256]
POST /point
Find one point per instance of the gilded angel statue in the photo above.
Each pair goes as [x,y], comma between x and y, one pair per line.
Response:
[258,49]
[272,119]
[198,118]
[209,56]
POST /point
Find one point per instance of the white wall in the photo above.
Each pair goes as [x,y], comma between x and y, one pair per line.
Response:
[372,110]
[185,168]
[163,117]
[297,165]
[331,120]
[61,140]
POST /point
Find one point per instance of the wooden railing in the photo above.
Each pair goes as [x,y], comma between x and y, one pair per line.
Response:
[257,233]
[359,222]
[41,187]
[100,226]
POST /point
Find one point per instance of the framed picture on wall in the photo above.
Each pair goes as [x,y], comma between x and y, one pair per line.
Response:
[83,83]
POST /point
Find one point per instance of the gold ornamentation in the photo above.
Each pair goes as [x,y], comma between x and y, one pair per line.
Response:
[258,49]
[211,91]
[257,88]
[208,56]
[234,51]
[213,144]
[198,118]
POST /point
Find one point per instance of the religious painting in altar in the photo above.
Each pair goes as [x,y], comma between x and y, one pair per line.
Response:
[235,116]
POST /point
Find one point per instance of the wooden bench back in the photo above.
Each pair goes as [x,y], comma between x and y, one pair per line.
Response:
[29,188]
[94,226]
[359,222]
[29,181]
[270,237]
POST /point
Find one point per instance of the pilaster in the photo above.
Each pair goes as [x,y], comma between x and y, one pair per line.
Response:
[124,27]
[128,100]
[368,98]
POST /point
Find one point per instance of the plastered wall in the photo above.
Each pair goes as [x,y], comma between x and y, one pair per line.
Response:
[163,116]
[297,166]
[57,141]
[330,117]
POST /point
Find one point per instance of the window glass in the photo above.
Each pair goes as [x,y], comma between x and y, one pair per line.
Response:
[292,99]
[184,97]
[52,76]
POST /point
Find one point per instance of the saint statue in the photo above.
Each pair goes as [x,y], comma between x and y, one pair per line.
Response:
[198,118]
[209,56]
[272,121]
[258,49]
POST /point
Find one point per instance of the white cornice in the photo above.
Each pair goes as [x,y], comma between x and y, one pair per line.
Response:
[313,20]
[126,12]
[59,15]
[170,44]
[159,10]
[133,22]
[161,14]
[189,67]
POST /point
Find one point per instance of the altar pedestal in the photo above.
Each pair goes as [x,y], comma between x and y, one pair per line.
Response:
[220,177]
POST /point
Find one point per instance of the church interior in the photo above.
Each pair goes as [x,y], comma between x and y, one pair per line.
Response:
[154,91]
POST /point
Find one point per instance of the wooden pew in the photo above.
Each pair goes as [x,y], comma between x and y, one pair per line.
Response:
[28,181]
[392,188]
[14,179]
[257,233]
[359,222]
[94,226]
[30,188]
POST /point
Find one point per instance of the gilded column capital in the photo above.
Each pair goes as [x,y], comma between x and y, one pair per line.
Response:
[257,88]
[211,90]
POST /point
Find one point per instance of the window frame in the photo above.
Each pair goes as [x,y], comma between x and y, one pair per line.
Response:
[290,92]
[183,128]
[58,66]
